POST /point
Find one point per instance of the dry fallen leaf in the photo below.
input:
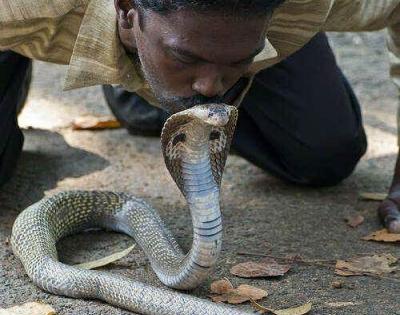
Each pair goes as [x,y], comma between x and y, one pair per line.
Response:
[106,260]
[32,308]
[268,268]
[382,236]
[221,286]
[225,292]
[373,196]
[367,265]
[300,310]
[251,292]
[355,220]
[93,123]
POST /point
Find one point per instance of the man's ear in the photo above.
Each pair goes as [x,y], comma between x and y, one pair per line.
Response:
[125,12]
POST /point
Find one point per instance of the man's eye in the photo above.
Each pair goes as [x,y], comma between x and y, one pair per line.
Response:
[183,59]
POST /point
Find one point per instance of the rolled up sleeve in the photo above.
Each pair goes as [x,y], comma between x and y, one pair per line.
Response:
[393,43]
[371,15]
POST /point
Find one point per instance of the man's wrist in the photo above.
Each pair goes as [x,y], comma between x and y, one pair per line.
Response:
[394,190]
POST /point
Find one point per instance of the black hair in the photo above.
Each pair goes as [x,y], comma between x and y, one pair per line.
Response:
[230,7]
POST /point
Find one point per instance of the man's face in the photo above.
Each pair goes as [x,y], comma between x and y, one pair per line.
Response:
[190,58]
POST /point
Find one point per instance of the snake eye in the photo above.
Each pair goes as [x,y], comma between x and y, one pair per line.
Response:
[179,138]
[215,135]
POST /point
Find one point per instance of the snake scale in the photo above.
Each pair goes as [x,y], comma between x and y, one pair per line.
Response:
[195,144]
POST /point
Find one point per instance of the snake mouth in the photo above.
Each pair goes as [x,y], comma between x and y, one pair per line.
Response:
[215,115]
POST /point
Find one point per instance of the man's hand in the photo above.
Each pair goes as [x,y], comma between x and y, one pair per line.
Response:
[389,210]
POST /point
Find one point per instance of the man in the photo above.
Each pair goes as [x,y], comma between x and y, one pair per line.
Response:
[299,118]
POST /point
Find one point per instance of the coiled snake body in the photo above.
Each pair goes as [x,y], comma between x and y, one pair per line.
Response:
[195,144]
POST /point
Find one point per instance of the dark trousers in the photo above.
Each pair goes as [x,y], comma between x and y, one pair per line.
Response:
[300,120]
[15,76]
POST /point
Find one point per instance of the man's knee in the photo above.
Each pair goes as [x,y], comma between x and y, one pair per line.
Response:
[327,163]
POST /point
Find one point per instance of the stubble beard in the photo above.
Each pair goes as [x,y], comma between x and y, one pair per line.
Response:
[167,100]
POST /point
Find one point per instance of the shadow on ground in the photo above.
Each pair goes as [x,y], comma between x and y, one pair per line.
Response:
[46,160]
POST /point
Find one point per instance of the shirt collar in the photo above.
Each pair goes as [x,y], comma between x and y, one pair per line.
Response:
[268,52]
[98,56]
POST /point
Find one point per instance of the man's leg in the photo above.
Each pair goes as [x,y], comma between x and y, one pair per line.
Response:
[301,120]
[15,75]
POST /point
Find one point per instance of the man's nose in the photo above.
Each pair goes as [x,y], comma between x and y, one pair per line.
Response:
[209,84]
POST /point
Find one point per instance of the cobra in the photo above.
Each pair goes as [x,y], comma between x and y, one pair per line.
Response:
[195,144]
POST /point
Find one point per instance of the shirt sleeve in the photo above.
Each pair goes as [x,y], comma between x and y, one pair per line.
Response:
[362,15]
[393,43]
[371,15]
[45,30]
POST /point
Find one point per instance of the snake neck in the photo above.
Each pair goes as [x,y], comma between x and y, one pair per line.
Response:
[200,189]
[202,195]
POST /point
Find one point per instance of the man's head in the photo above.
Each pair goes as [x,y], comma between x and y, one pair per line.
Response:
[193,51]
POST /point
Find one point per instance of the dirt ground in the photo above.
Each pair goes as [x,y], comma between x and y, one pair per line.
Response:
[261,214]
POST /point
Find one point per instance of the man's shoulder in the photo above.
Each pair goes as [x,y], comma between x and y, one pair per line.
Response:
[23,10]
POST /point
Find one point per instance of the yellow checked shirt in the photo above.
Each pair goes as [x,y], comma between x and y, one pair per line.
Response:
[83,34]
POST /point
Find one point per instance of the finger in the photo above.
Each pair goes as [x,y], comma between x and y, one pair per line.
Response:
[390,215]
[393,226]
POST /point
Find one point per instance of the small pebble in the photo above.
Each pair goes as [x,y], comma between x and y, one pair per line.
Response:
[337,284]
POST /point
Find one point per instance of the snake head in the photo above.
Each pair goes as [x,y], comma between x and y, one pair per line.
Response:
[216,115]
[202,129]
